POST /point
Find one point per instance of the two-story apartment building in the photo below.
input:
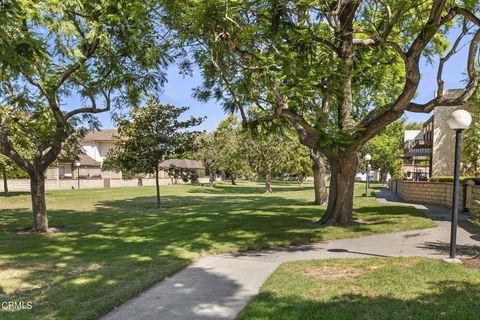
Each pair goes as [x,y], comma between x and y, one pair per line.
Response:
[416,155]
[96,145]
[430,151]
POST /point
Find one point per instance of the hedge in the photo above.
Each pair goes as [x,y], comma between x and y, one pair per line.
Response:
[476,180]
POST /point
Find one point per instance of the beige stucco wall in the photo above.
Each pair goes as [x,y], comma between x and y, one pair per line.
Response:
[443,143]
[16,185]
[52,173]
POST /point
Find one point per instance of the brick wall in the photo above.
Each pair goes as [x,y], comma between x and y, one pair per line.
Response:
[436,193]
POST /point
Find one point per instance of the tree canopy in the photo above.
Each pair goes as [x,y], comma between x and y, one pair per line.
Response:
[386,149]
[338,71]
[148,136]
[105,54]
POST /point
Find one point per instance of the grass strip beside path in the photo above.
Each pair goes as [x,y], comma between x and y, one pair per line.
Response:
[374,288]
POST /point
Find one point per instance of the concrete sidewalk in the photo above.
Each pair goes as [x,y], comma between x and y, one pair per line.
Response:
[219,286]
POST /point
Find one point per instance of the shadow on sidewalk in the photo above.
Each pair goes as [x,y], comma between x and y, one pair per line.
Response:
[443,248]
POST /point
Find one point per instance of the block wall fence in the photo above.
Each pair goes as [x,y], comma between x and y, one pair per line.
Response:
[435,193]
[23,185]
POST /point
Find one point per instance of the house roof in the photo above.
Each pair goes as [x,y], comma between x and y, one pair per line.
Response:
[100,135]
[182,163]
[85,160]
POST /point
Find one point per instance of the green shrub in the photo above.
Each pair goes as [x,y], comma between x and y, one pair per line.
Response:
[450,179]
[475,213]
[201,173]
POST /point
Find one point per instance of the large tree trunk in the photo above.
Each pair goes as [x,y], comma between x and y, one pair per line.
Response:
[5,181]
[319,183]
[340,198]
[157,184]
[383,176]
[268,184]
[39,207]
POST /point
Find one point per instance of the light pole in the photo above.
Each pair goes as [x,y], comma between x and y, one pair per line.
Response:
[77,165]
[367,172]
[459,120]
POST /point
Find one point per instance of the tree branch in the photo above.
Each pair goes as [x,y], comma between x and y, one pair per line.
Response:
[465,94]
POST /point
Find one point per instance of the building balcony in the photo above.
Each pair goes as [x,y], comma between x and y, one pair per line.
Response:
[417,153]
[422,144]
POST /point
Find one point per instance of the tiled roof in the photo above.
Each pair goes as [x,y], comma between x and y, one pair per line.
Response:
[86,160]
[100,135]
[182,163]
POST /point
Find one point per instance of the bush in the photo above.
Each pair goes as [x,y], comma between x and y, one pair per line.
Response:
[201,173]
[476,180]
[475,213]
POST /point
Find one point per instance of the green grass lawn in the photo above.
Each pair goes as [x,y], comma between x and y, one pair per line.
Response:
[115,244]
[389,288]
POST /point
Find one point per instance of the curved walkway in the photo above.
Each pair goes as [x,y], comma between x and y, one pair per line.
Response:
[219,286]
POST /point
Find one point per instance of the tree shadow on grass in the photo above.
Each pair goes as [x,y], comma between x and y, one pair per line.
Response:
[239,189]
[14,194]
[123,246]
[445,300]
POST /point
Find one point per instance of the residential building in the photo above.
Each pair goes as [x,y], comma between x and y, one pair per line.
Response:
[416,155]
[96,145]
[430,152]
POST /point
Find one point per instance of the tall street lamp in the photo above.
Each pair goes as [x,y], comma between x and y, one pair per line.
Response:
[459,120]
[77,165]
[367,172]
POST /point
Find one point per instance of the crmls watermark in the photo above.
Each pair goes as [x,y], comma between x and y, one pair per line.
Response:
[16,305]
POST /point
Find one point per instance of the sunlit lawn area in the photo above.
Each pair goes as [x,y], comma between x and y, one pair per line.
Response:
[115,244]
[390,288]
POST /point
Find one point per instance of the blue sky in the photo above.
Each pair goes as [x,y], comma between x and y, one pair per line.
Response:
[178,91]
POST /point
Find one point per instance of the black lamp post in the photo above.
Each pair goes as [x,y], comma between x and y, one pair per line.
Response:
[367,172]
[77,164]
[459,120]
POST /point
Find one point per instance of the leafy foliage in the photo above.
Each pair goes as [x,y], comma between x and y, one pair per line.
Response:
[150,135]
[106,54]
[386,149]
[471,144]
[339,72]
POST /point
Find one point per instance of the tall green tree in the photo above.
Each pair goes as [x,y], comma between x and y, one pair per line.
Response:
[338,71]
[106,54]
[386,149]
[414,126]
[148,136]
[268,155]
[230,141]
[8,168]
[206,151]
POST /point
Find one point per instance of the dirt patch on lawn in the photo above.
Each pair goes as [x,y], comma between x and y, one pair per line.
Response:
[349,270]
[473,263]
[335,272]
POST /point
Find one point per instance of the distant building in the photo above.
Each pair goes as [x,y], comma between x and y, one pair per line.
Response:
[430,152]
[416,155]
[96,145]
